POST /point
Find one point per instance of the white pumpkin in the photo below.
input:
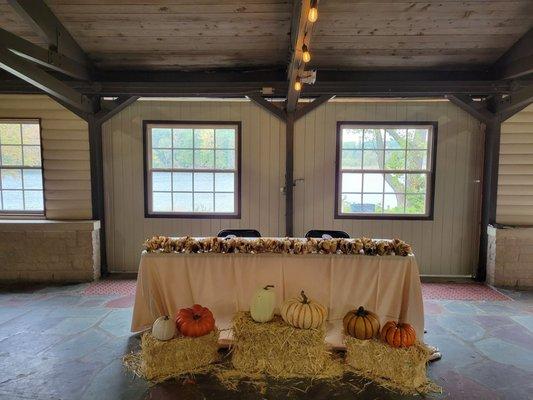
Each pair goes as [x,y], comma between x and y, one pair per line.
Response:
[263,304]
[164,328]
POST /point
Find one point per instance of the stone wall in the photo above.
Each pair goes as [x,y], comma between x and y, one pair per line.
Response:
[510,257]
[49,251]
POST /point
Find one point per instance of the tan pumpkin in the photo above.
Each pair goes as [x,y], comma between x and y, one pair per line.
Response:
[398,334]
[303,312]
[361,324]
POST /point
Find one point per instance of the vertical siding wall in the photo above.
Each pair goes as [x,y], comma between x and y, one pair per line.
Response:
[515,181]
[65,139]
[448,245]
[263,170]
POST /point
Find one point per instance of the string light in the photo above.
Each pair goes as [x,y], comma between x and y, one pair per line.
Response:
[298,84]
[313,11]
[306,55]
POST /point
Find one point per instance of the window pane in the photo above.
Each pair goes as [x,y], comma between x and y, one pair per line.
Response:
[351,203]
[352,159]
[183,159]
[225,159]
[182,202]
[9,133]
[394,183]
[372,203]
[416,160]
[161,138]
[352,138]
[396,138]
[33,179]
[204,159]
[225,182]
[203,202]
[162,158]
[161,182]
[30,134]
[374,138]
[373,183]
[224,202]
[225,138]
[204,138]
[12,179]
[415,204]
[203,182]
[33,200]
[394,159]
[32,156]
[183,138]
[11,155]
[182,182]
[12,200]
[416,183]
[373,159]
[417,138]
[394,203]
[162,201]
[351,182]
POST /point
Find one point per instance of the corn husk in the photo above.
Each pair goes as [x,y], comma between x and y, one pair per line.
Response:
[158,361]
[281,351]
[398,369]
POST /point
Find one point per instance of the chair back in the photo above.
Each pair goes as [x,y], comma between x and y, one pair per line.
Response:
[239,233]
[326,234]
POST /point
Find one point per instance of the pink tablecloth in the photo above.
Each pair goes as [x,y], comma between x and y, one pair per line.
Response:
[387,285]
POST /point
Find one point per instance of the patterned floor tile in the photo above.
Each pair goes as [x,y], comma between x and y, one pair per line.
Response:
[506,353]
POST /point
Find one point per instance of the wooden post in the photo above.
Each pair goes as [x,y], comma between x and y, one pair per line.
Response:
[289,174]
[489,191]
[97,184]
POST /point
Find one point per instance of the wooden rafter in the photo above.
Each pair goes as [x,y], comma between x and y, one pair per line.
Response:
[518,60]
[301,31]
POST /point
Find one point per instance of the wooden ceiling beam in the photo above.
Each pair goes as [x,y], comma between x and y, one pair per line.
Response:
[518,60]
[301,31]
[515,102]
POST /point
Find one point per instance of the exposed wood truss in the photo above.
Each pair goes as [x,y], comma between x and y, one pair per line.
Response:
[271,107]
[109,108]
[518,60]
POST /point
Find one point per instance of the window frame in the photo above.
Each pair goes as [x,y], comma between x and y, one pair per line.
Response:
[190,215]
[430,192]
[27,214]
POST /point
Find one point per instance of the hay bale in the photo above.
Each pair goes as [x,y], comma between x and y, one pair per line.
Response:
[401,369]
[158,360]
[281,351]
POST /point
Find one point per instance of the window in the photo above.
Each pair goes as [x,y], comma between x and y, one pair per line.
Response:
[21,176]
[385,170]
[192,169]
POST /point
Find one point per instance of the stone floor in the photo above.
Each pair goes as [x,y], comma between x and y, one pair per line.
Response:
[56,343]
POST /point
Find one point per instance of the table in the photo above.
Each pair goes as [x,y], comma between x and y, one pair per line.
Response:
[387,285]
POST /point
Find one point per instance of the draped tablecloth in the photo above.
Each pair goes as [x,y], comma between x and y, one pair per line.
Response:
[388,285]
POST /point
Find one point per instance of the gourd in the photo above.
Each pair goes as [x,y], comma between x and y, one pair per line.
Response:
[361,324]
[263,304]
[303,312]
[398,334]
[163,328]
[195,321]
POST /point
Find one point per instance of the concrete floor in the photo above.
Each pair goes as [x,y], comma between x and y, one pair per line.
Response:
[56,343]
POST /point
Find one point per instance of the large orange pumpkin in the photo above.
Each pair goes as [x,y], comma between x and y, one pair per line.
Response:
[195,321]
[398,334]
[361,324]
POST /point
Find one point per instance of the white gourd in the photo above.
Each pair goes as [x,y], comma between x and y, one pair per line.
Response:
[263,304]
[164,328]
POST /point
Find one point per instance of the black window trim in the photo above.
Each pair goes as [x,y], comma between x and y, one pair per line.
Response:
[149,214]
[430,214]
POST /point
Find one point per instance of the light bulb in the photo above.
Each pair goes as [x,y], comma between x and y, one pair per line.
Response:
[297,85]
[306,56]
[313,11]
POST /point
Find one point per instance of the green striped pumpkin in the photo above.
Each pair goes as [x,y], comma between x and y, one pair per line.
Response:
[303,312]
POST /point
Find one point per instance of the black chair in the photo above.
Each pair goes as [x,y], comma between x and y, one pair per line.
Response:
[325,234]
[239,233]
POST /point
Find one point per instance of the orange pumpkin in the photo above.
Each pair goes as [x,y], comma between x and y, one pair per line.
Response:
[195,321]
[398,334]
[361,324]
